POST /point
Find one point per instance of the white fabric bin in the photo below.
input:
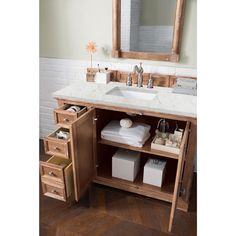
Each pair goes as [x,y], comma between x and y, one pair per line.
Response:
[154,172]
[125,164]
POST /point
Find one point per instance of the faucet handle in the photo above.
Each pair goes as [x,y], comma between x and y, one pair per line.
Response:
[150,82]
[129,80]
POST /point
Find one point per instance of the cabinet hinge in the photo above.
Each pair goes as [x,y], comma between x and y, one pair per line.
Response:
[181,190]
[185,149]
[94,120]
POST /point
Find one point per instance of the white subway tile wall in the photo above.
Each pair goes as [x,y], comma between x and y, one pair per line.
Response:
[58,73]
[54,75]
[155,39]
[125,24]
[135,37]
[134,25]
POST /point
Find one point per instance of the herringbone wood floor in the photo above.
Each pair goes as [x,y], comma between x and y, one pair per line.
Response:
[112,212]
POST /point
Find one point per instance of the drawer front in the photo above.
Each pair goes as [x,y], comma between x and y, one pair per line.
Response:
[64,117]
[57,177]
[53,147]
[52,172]
[54,191]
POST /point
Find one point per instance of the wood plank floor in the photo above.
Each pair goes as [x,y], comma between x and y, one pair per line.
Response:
[112,212]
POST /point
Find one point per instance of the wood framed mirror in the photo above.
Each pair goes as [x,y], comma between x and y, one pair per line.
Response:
[147,29]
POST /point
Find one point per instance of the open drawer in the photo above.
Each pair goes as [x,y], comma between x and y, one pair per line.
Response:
[57,178]
[56,146]
[63,117]
[73,160]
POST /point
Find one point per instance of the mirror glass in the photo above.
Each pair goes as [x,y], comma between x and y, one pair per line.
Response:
[147,25]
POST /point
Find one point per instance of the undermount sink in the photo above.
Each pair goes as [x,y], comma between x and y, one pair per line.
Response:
[133,93]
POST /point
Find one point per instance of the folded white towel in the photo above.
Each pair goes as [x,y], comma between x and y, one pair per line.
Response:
[126,138]
[121,139]
[137,133]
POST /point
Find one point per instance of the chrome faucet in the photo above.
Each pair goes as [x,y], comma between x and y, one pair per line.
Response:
[129,80]
[150,82]
[139,73]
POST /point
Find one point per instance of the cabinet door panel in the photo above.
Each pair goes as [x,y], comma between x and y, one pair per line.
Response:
[82,146]
[178,176]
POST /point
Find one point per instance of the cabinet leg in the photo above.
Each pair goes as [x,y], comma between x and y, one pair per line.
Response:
[71,201]
[90,195]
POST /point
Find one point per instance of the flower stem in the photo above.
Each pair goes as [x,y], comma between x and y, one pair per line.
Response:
[91,60]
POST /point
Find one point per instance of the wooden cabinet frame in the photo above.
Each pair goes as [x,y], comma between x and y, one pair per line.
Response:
[84,143]
[176,41]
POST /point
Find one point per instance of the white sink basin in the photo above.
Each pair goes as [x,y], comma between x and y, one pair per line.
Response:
[133,93]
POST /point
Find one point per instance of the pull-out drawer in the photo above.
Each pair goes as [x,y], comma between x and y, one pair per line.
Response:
[57,177]
[63,117]
[55,168]
[56,146]
[54,190]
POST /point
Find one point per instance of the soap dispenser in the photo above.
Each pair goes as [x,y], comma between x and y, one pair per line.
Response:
[163,127]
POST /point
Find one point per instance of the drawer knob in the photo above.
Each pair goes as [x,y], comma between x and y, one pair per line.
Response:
[56,148]
[51,173]
[66,119]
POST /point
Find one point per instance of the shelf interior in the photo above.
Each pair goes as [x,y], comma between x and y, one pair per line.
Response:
[104,174]
[145,149]
[105,116]
[106,149]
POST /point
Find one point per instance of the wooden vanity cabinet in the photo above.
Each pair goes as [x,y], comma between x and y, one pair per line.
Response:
[91,156]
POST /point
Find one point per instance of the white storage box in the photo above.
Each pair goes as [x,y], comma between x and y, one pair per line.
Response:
[102,77]
[125,164]
[154,172]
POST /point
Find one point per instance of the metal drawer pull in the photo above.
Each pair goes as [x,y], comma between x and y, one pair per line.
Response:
[56,148]
[51,173]
[66,120]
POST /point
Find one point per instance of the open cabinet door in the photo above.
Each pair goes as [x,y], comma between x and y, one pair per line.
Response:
[178,176]
[81,131]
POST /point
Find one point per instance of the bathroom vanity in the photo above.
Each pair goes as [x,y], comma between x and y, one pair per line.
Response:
[85,157]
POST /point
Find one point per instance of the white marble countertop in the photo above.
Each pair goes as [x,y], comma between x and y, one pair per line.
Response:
[164,102]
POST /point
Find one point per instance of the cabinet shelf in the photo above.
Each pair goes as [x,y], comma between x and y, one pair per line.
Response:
[104,176]
[145,149]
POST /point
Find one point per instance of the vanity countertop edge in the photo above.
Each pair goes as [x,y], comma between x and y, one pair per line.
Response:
[165,102]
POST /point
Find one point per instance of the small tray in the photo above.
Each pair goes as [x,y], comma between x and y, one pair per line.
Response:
[163,147]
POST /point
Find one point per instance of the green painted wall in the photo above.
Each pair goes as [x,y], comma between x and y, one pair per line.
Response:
[157,12]
[67,25]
